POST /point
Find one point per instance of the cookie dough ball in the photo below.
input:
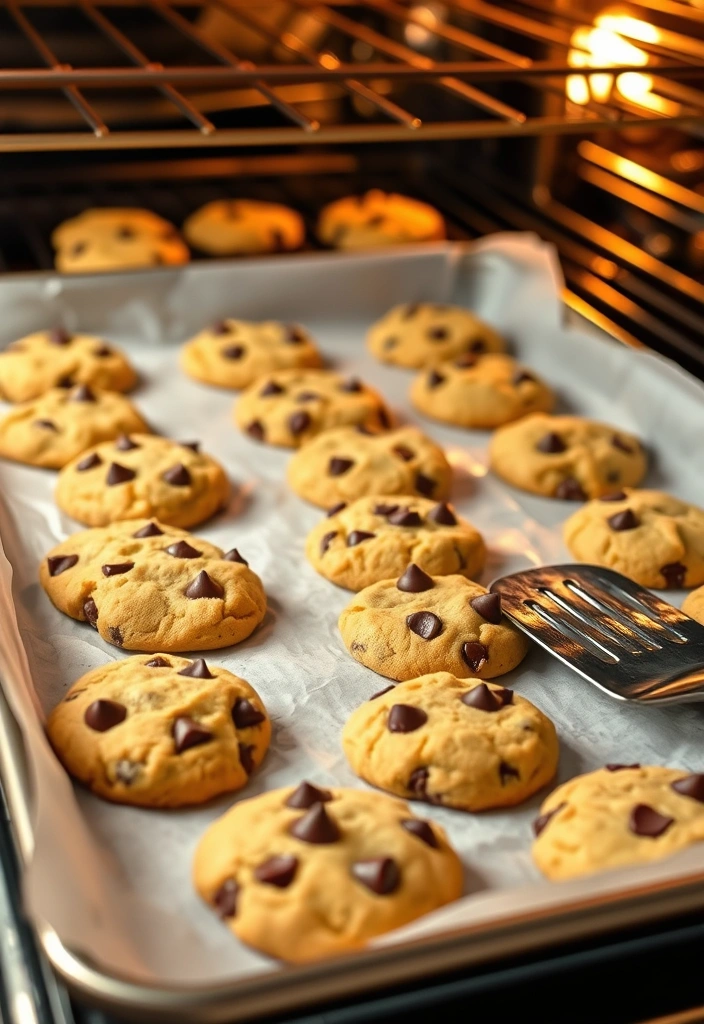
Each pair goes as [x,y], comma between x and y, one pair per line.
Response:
[651,537]
[56,358]
[235,353]
[455,742]
[694,605]
[234,227]
[116,238]
[378,219]
[160,731]
[566,457]
[306,873]
[616,817]
[345,464]
[375,538]
[421,334]
[420,624]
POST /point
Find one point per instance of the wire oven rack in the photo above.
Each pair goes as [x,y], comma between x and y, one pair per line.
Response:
[504,65]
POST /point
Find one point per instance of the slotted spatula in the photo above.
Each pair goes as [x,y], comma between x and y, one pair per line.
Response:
[621,637]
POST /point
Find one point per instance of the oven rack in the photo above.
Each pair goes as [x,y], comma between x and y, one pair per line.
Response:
[332,71]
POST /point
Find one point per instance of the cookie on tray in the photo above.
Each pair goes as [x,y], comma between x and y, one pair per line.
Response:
[160,731]
[566,457]
[116,238]
[146,586]
[378,219]
[346,463]
[649,536]
[455,742]
[306,873]
[620,815]
[694,605]
[417,624]
[290,407]
[232,227]
[63,422]
[141,476]
[57,358]
[480,391]
[374,538]
[235,353]
[419,334]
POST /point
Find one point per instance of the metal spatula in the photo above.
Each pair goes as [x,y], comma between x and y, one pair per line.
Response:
[619,636]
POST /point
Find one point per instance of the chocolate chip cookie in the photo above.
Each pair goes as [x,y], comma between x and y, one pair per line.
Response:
[116,238]
[346,463]
[232,227]
[455,742]
[160,731]
[375,538]
[651,537]
[421,334]
[378,219]
[139,476]
[58,358]
[566,457]
[419,624]
[307,873]
[618,816]
[290,407]
[146,586]
[235,353]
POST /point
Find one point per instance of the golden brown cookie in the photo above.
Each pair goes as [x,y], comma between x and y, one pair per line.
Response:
[232,227]
[116,238]
[378,219]
[421,334]
[694,605]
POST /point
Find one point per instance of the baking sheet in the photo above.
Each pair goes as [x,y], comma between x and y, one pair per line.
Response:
[114,882]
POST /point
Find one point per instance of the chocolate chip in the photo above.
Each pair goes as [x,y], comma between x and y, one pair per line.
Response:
[425,625]
[358,537]
[78,248]
[338,466]
[403,452]
[411,310]
[353,385]
[315,827]
[102,352]
[177,476]
[102,715]
[117,569]
[362,428]
[613,476]
[621,445]
[90,462]
[125,232]
[414,580]
[418,783]
[674,574]
[467,360]
[220,327]
[299,422]
[438,333]
[307,396]
[193,445]
[614,496]
[646,821]
[65,382]
[405,517]
[692,786]
[115,635]
[82,394]
[197,670]
[379,874]
[405,718]
[271,388]
[443,514]
[620,767]
[380,693]
[625,520]
[484,699]
[60,563]
[326,541]
[46,425]
[542,820]
[225,899]
[335,509]
[390,343]
[90,610]
[59,336]
[126,444]
[256,430]
[233,555]
[475,654]
[245,715]
[188,733]
[384,510]
[306,795]
[233,352]
[294,335]
[523,376]
[279,871]
[570,490]
[488,606]
[118,474]
[434,379]
[157,663]
[127,771]
[551,444]
[182,549]
[246,760]
[203,586]
[507,771]
[150,530]
[422,830]
[425,485]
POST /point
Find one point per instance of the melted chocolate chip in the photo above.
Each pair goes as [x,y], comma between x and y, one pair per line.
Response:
[551,444]
[188,733]
[414,580]
[182,549]
[203,586]
[380,693]
[233,352]
[82,394]
[692,786]
[177,476]
[405,517]
[425,625]
[542,820]
[220,327]
[626,520]
[422,830]
[271,388]
[425,485]
[102,715]
[158,662]
[193,445]
[150,530]
[225,899]
[117,568]
[379,874]
[306,795]
[335,509]
[405,718]
[338,466]
[125,443]
[621,445]
[614,496]
[65,382]
[438,333]
[233,555]
[475,654]
[647,822]
[118,474]
[256,430]
[115,634]
[326,541]
[484,699]
[197,670]
[443,514]
[403,452]
[294,335]
[570,490]
[60,563]
[410,311]
[279,871]
[90,610]
[674,574]
[90,462]
[353,385]
[358,537]
[507,771]
[102,352]
[488,606]
[245,715]
[46,425]
[620,767]
[316,827]
[299,422]
[246,760]
[523,377]
[418,783]
[59,336]
[434,379]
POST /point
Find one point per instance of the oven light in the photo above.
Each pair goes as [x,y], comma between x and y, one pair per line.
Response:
[599,46]
[423,19]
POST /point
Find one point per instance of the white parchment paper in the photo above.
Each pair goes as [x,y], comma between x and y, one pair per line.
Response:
[115,881]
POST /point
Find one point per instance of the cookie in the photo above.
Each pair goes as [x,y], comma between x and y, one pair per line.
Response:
[231,227]
[290,407]
[160,731]
[480,391]
[566,457]
[56,358]
[419,624]
[651,537]
[421,334]
[345,464]
[63,422]
[694,605]
[146,586]
[376,537]
[454,742]
[116,238]
[142,476]
[307,873]
[616,817]
[376,219]
[235,353]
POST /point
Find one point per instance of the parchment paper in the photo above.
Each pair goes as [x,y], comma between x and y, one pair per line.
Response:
[115,881]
